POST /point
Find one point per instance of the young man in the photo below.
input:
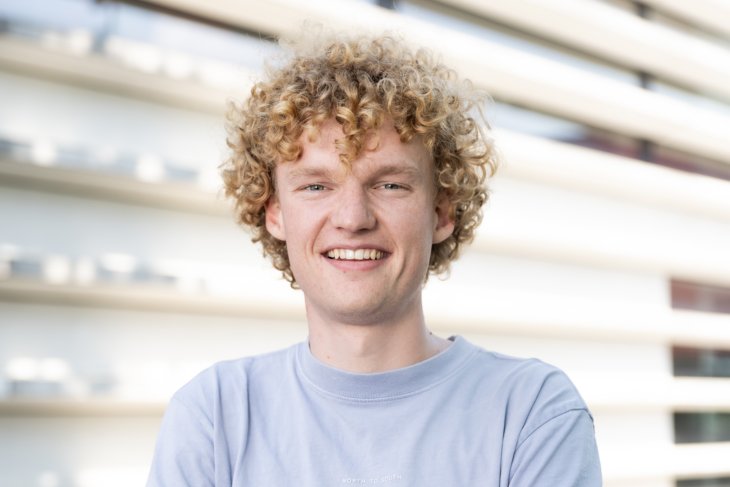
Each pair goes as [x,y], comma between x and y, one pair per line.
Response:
[358,168]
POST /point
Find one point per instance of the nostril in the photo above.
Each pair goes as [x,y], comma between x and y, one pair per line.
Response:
[353,216]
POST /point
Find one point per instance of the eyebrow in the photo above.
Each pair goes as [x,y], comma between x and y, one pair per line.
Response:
[385,170]
[412,172]
[398,169]
[307,172]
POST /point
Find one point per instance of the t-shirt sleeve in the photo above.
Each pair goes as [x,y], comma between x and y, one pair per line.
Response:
[184,451]
[561,452]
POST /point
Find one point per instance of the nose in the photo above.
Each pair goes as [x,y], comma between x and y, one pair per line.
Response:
[352,209]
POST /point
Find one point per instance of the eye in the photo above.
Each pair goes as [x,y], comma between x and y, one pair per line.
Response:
[314,187]
[392,186]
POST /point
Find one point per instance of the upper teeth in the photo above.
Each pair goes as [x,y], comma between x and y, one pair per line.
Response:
[359,254]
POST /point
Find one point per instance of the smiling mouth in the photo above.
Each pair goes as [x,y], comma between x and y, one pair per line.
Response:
[359,254]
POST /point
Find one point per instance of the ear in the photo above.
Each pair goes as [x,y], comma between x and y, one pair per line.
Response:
[445,221]
[274,218]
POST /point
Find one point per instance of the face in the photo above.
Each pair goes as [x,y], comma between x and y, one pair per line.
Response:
[359,240]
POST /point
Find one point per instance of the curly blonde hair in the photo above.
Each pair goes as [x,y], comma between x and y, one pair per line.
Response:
[360,81]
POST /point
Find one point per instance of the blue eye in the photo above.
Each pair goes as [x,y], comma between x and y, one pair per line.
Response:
[314,187]
[392,186]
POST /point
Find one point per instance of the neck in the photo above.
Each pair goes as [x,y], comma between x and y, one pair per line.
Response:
[379,347]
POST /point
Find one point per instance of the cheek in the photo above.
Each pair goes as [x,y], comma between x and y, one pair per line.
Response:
[298,261]
[417,235]
[302,231]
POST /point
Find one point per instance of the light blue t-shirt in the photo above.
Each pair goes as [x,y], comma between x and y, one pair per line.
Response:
[465,417]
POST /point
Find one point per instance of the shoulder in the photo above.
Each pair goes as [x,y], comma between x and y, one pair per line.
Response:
[527,376]
[528,388]
[206,420]
[229,381]
[533,377]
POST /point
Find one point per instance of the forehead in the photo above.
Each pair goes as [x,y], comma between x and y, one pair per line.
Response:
[381,148]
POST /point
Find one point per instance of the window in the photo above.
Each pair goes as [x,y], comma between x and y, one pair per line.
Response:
[700,297]
[699,362]
[701,427]
[709,482]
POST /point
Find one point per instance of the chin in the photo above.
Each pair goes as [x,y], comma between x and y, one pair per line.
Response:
[360,313]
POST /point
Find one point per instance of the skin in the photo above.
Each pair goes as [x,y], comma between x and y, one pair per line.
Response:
[363,315]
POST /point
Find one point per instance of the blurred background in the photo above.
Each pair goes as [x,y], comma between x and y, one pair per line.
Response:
[604,249]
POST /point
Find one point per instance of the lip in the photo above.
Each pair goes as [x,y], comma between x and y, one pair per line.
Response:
[355,247]
[384,253]
[355,265]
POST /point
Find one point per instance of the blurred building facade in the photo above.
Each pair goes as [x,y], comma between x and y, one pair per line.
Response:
[604,248]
